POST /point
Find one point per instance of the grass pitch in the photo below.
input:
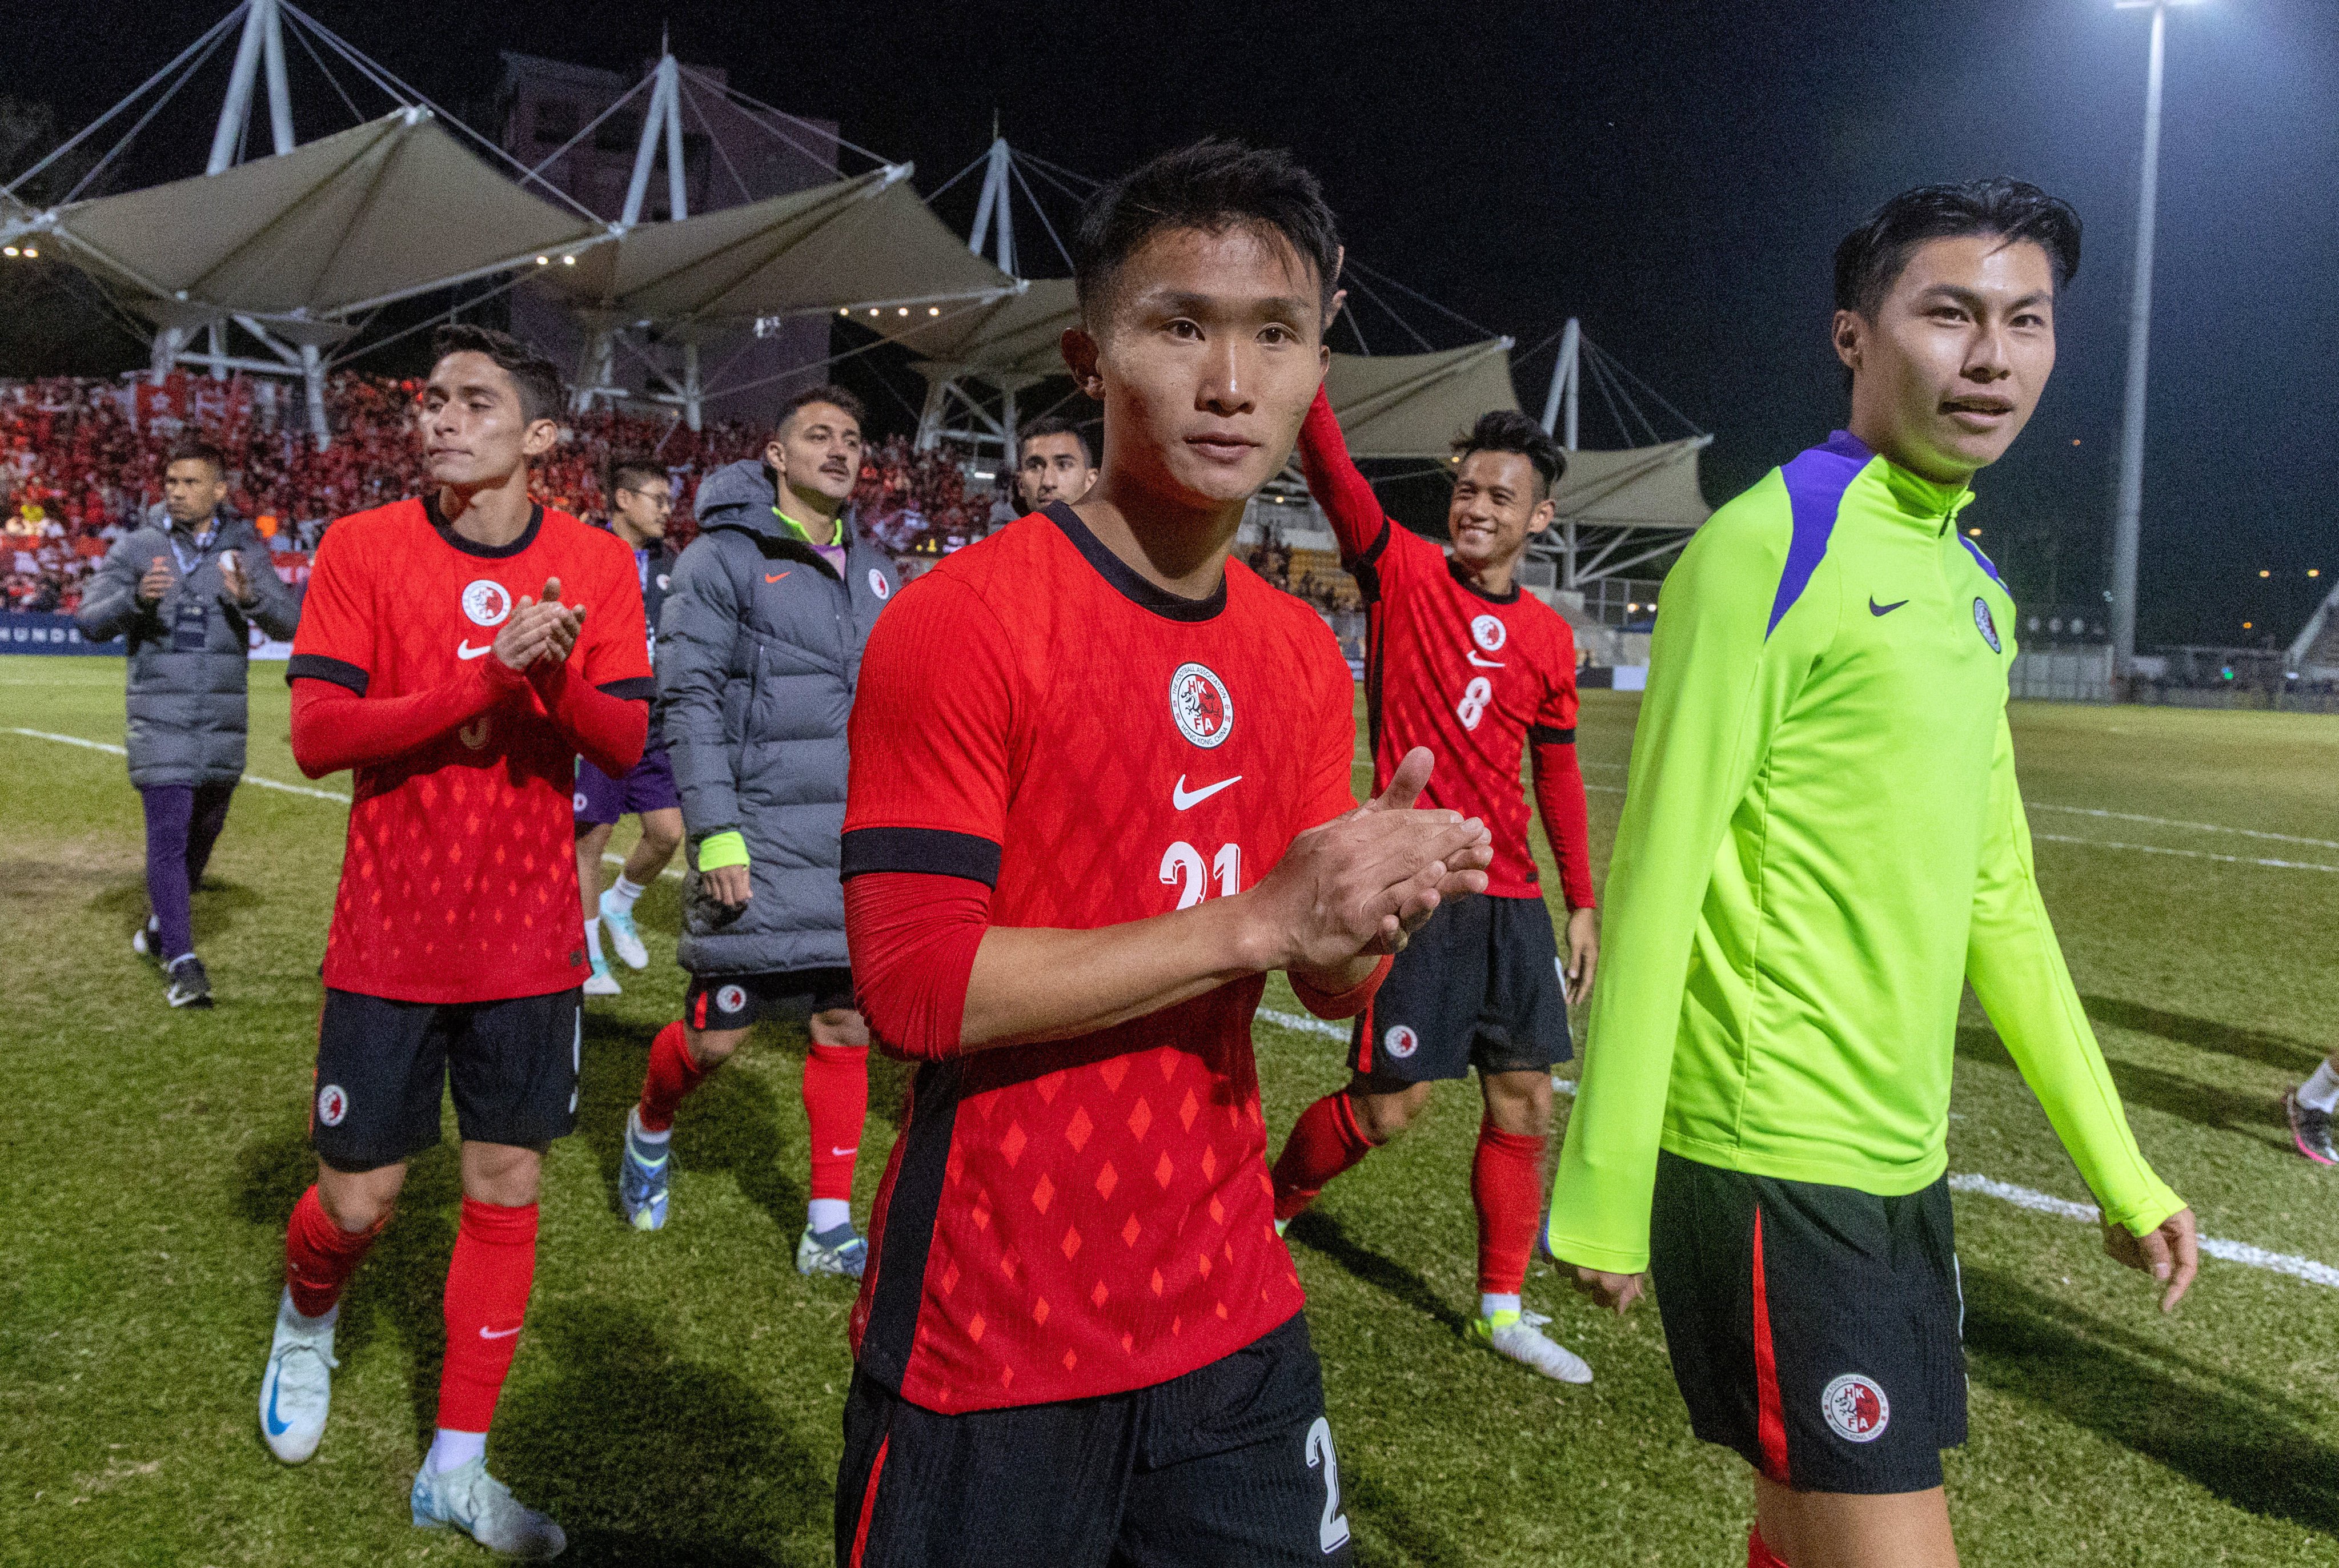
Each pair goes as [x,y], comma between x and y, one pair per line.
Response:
[676,1398]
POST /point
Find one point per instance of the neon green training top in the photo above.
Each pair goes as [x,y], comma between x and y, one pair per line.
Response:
[1821,842]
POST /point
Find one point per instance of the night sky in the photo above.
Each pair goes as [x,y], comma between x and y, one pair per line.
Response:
[1676,176]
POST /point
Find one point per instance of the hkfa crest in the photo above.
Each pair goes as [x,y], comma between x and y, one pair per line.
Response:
[730,999]
[878,585]
[1400,1041]
[1489,632]
[333,1104]
[1986,627]
[487,602]
[1203,708]
[1856,1408]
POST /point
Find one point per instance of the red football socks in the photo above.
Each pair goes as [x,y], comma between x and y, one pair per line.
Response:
[672,1075]
[319,1256]
[1506,1185]
[1325,1141]
[1759,1553]
[836,1103]
[488,1283]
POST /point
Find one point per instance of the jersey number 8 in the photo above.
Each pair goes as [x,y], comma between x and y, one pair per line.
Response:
[1474,698]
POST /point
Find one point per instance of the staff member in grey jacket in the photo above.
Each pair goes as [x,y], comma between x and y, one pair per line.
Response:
[185,586]
[758,649]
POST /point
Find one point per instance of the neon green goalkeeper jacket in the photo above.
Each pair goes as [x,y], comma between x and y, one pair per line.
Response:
[1821,842]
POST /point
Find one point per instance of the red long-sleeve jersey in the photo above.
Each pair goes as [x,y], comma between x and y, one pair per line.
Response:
[1475,677]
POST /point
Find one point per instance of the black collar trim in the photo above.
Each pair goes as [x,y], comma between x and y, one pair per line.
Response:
[1453,569]
[471,547]
[1123,577]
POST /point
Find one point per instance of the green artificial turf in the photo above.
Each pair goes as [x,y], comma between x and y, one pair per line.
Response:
[676,1398]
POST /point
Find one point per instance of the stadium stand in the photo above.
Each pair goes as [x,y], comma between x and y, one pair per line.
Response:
[81,459]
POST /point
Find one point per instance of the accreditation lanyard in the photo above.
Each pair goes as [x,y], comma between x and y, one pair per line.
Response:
[190,628]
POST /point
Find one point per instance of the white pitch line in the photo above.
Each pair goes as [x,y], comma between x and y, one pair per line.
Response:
[2186,853]
[248,778]
[2191,826]
[2240,1252]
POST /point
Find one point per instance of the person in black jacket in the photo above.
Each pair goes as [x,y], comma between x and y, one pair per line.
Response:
[641,500]
[186,587]
[759,649]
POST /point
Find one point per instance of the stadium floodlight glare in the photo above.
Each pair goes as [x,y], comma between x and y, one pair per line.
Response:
[2129,509]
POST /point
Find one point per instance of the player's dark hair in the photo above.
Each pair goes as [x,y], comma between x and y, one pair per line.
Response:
[196,451]
[1508,431]
[1870,259]
[1054,425]
[1213,185]
[826,392]
[619,468]
[537,377]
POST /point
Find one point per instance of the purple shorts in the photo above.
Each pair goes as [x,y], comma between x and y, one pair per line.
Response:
[602,800]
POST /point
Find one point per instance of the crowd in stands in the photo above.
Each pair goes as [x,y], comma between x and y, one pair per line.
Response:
[82,460]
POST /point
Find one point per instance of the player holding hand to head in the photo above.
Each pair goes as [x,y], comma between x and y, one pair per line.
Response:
[1463,661]
[1822,842]
[1099,787]
[459,651]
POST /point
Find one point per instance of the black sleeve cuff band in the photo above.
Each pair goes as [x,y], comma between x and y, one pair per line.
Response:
[931,851]
[635,689]
[1545,735]
[318,667]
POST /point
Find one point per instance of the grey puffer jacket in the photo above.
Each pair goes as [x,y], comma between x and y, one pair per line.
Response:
[758,650]
[188,650]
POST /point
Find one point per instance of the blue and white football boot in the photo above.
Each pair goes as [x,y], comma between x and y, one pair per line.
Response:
[297,1390]
[469,1499]
[642,1171]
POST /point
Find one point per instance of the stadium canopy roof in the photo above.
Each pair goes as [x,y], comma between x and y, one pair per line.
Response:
[1014,338]
[1413,405]
[326,230]
[1641,487]
[861,243]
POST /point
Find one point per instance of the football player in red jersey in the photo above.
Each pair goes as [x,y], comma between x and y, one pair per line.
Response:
[1463,661]
[447,655]
[1099,786]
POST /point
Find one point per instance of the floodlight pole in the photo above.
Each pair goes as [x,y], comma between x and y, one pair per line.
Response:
[2128,515]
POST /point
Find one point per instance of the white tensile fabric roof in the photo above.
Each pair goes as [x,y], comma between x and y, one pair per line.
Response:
[864,243]
[1015,338]
[1414,405]
[1639,487]
[390,208]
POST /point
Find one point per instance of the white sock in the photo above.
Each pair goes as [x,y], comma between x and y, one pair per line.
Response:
[452,1450]
[1490,1304]
[302,1321]
[2321,1092]
[622,896]
[593,940]
[642,1134]
[180,960]
[825,1214]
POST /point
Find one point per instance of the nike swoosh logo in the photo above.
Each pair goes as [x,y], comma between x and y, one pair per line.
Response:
[1487,664]
[276,1428]
[487,1333]
[1181,797]
[1876,609]
[464,650]
[841,1153]
[774,577]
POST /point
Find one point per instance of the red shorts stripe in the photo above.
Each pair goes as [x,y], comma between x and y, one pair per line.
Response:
[1771,1420]
[869,1502]
[1364,1040]
[699,1012]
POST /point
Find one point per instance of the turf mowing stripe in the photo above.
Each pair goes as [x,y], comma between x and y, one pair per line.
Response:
[2240,1252]
[2194,826]
[2186,853]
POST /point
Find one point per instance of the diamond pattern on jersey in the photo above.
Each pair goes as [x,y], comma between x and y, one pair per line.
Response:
[1436,683]
[1105,1218]
[458,879]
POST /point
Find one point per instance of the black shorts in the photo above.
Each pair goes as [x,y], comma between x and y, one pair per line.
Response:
[1817,1330]
[1479,986]
[1230,1463]
[383,1066]
[738,1001]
